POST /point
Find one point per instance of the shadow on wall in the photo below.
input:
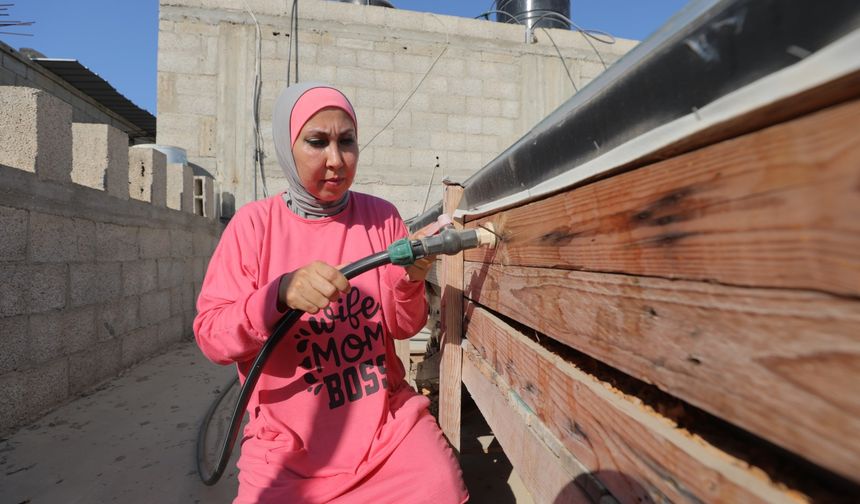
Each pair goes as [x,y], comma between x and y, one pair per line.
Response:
[199,171]
[228,205]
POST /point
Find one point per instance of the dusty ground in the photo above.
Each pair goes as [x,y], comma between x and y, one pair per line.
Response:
[132,440]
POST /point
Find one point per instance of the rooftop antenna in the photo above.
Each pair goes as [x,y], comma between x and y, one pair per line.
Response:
[4,9]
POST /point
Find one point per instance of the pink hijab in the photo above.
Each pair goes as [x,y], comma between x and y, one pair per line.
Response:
[294,107]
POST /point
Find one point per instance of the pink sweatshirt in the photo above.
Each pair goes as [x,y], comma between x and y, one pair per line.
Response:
[331,405]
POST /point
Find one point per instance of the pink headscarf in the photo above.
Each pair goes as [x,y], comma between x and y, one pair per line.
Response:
[294,107]
[312,102]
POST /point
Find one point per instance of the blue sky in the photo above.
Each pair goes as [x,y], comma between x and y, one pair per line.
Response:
[117,39]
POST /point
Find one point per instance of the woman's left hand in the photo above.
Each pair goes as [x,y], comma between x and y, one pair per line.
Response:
[417,271]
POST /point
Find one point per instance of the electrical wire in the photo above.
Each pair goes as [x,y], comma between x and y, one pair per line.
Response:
[294,40]
[414,89]
[564,63]
[258,84]
[587,34]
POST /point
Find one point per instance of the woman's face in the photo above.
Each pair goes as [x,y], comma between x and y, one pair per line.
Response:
[326,154]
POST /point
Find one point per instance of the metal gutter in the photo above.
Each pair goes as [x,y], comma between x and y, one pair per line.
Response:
[707,52]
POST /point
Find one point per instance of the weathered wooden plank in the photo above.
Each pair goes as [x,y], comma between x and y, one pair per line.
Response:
[775,208]
[550,474]
[638,454]
[782,364]
[450,369]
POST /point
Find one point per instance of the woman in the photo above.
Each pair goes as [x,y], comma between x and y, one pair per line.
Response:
[332,419]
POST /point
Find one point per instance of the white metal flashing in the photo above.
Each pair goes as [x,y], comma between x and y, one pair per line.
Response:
[836,60]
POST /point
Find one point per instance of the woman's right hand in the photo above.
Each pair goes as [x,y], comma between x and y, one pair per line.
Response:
[311,287]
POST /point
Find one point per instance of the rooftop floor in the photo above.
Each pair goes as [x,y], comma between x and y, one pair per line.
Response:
[133,439]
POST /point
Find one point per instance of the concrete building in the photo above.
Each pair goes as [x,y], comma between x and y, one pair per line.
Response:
[436,96]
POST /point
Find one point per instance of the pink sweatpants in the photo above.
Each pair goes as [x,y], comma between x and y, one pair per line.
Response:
[422,469]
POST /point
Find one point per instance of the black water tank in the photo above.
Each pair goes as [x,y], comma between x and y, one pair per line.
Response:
[534,13]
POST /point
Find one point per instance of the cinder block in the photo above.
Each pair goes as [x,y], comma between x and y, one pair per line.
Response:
[154,243]
[116,242]
[139,344]
[468,162]
[180,178]
[373,60]
[116,318]
[188,270]
[501,89]
[93,365]
[465,87]
[180,43]
[399,82]
[60,239]
[497,126]
[100,158]
[425,160]
[510,109]
[191,26]
[31,288]
[170,273]
[36,133]
[189,300]
[175,185]
[154,307]
[482,143]
[447,141]
[180,243]
[450,66]
[336,56]
[207,202]
[13,245]
[354,43]
[448,104]
[176,307]
[14,341]
[12,397]
[60,333]
[177,129]
[187,198]
[199,269]
[94,283]
[412,138]
[188,325]
[139,277]
[430,121]
[412,63]
[147,175]
[170,331]
[204,243]
[346,76]
[46,386]
[382,116]
[464,124]
[483,107]
[378,98]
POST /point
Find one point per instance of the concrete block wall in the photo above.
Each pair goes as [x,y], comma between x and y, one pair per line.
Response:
[92,281]
[100,158]
[180,180]
[18,70]
[147,175]
[486,88]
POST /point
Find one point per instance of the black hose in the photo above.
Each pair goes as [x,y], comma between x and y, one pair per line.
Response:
[286,322]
